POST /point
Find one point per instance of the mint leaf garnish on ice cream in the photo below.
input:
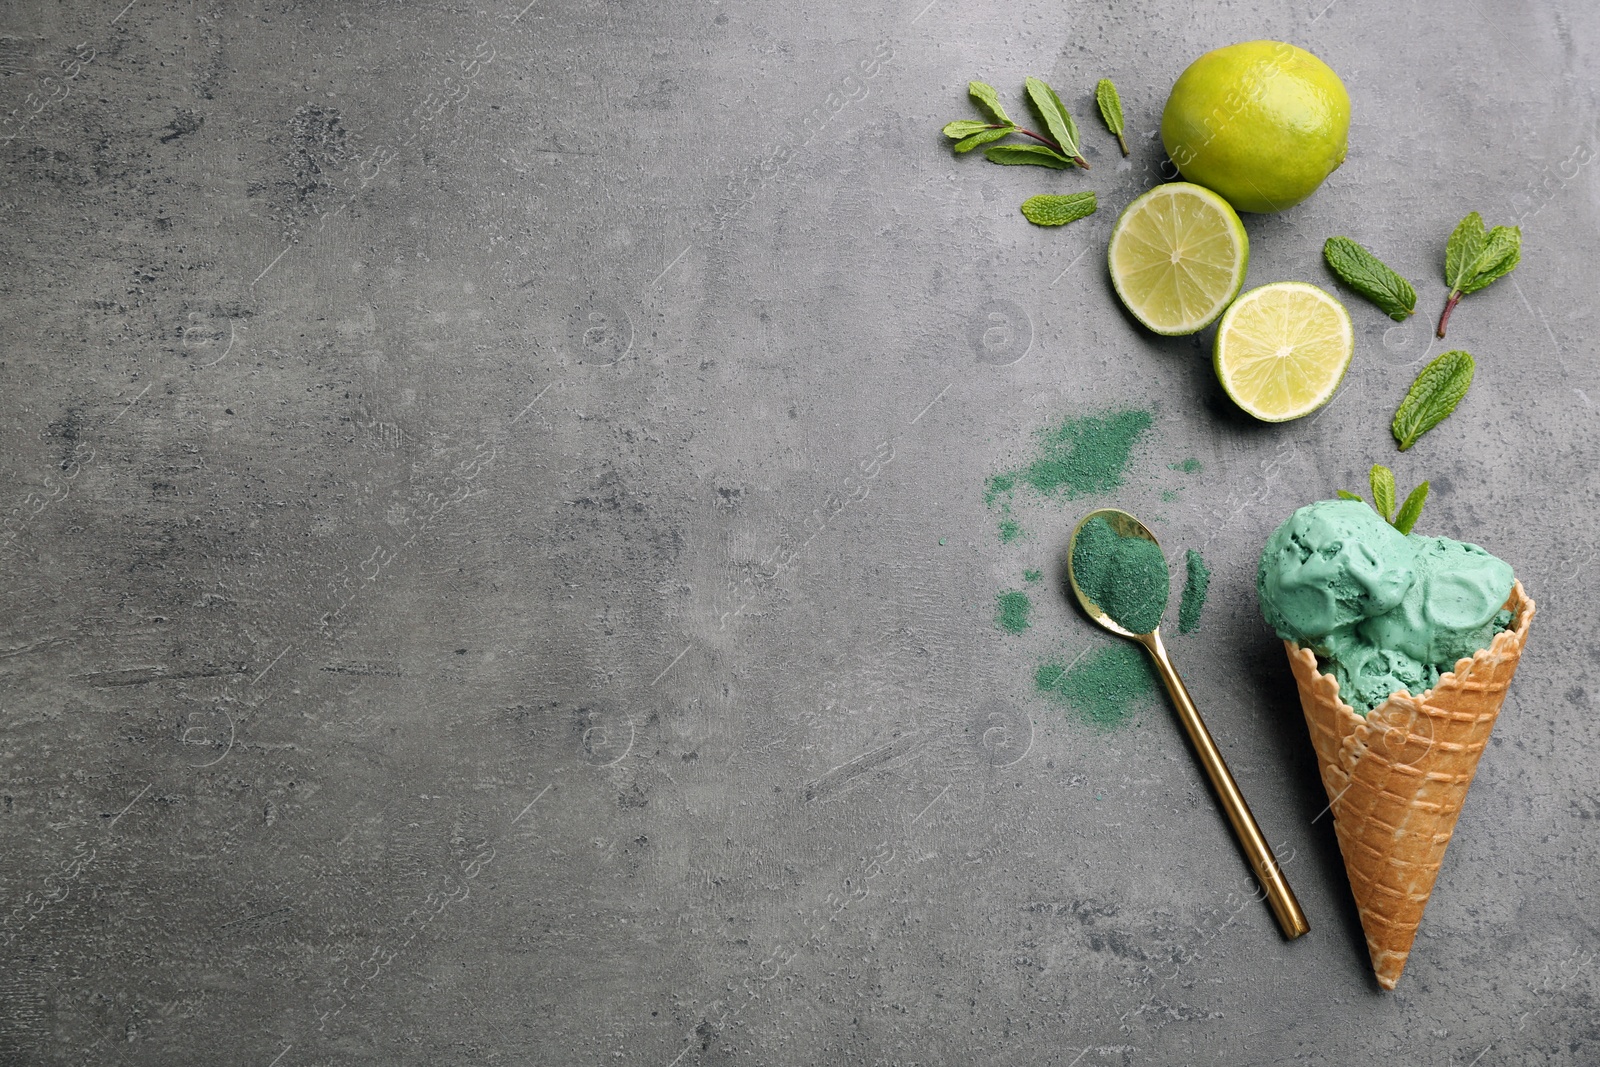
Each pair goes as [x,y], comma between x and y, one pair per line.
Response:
[1381,479]
[1411,509]
[1382,610]
[1383,490]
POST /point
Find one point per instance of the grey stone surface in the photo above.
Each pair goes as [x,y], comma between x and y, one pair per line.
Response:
[496,567]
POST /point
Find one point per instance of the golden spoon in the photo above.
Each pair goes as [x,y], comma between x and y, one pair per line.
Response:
[1284,905]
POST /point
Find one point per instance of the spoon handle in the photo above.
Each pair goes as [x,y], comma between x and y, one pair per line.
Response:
[1281,898]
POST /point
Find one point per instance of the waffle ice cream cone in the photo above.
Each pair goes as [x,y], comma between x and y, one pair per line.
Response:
[1396,779]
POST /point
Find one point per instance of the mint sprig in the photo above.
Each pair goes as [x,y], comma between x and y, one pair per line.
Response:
[1381,481]
[1059,150]
[1105,95]
[1433,396]
[1474,257]
[1369,276]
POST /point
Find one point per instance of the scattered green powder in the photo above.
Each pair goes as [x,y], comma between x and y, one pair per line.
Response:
[1195,586]
[1188,466]
[1032,576]
[1079,456]
[1085,455]
[1169,495]
[1105,688]
[1012,614]
[998,484]
[1010,530]
[1126,576]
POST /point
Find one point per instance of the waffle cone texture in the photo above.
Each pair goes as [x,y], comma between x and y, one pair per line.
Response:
[1397,779]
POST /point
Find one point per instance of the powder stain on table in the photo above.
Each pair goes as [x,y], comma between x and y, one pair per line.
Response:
[1105,688]
[1012,613]
[1076,457]
[998,484]
[1087,455]
[1195,586]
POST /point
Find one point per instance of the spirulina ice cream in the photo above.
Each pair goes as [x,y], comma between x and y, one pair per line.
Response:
[1366,612]
[1382,610]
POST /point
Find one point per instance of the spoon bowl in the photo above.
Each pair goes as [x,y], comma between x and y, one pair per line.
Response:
[1123,525]
[1267,869]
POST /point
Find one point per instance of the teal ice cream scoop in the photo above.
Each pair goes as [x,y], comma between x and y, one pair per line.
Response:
[1381,609]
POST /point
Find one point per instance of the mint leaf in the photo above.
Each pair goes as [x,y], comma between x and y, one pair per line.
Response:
[1013,155]
[964,128]
[1367,275]
[989,100]
[1105,94]
[1058,210]
[1382,481]
[1345,494]
[984,137]
[1502,251]
[1056,120]
[1432,397]
[1462,250]
[1411,510]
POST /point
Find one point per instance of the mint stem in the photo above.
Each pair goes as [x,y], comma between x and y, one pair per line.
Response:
[1123,143]
[1079,160]
[1450,305]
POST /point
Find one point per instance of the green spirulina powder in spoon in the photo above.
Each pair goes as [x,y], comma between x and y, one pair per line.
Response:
[1126,576]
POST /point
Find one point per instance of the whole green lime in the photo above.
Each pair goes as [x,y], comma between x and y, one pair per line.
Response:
[1262,123]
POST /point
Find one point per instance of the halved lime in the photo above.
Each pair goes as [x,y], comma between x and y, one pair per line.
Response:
[1282,350]
[1178,256]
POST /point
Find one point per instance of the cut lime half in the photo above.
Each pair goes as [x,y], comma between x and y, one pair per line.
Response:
[1178,256]
[1282,350]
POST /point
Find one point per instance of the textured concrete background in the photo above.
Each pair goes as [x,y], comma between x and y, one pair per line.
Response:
[496,567]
